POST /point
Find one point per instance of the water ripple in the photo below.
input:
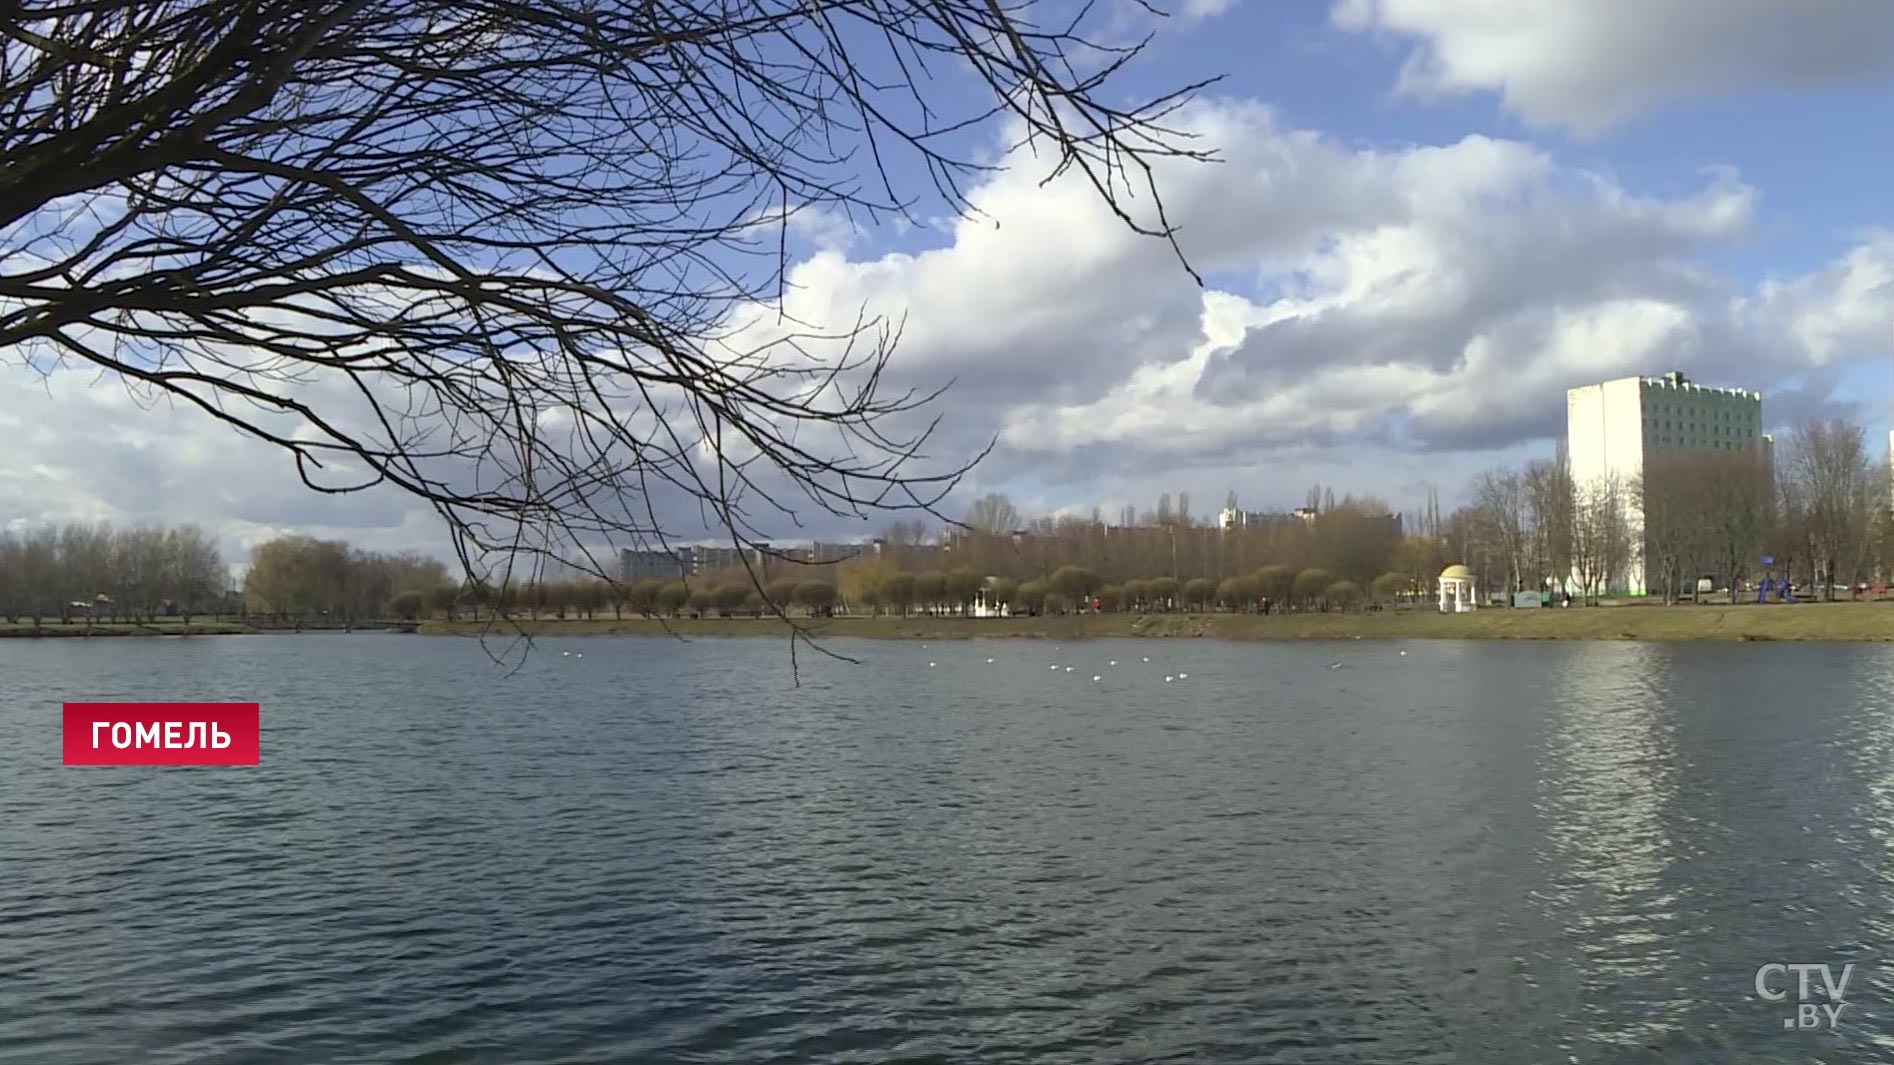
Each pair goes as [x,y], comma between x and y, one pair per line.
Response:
[662,854]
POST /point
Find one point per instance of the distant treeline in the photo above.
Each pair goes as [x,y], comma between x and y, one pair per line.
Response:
[1333,554]
[1817,506]
[1076,588]
[1820,511]
[729,595]
[299,579]
[97,571]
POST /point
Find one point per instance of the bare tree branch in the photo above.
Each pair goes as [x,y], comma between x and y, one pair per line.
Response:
[497,253]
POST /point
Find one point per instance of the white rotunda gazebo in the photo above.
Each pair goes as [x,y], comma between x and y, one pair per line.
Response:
[1456,590]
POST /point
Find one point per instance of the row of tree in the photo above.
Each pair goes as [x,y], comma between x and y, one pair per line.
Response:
[300,579]
[1355,538]
[731,596]
[1068,589]
[1819,509]
[97,571]
[1077,588]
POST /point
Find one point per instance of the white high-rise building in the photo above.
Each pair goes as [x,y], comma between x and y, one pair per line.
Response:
[1230,517]
[1611,427]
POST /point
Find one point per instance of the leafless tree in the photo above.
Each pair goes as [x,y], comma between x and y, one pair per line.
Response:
[12,575]
[1882,538]
[40,581]
[1500,496]
[993,514]
[139,568]
[96,570]
[523,260]
[1672,508]
[1737,512]
[1600,534]
[1838,490]
[1612,520]
[1549,500]
[1354,539]
[302,580]
[1468,539]
[87,567]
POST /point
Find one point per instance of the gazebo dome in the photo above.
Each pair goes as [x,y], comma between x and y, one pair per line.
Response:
[1456,590]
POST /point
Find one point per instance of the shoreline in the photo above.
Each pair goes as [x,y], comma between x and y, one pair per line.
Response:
[54,630]
[172,629]
[1845,622]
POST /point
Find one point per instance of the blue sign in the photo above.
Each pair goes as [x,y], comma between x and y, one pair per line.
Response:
[1769,560]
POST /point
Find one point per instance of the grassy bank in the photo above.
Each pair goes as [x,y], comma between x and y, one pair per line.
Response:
[1787,622]
[161,627]
[1839,622]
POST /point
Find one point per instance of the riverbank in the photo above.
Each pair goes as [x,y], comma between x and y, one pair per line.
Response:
[1831,622]
[1800,622]
[167,627]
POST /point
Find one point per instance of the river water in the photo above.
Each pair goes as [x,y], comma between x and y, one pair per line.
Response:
[647,851]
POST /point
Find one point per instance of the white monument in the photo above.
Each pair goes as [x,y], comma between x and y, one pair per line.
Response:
[986,605]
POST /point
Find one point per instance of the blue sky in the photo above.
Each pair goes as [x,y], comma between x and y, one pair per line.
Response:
[1432,217]
[1822,175]
[1787,291]
[1812,151]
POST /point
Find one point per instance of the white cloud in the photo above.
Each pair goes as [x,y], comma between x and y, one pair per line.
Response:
[1367,303]
[85,448]
[1841,310]
[1589,64]
[1371,313]
[1194,10]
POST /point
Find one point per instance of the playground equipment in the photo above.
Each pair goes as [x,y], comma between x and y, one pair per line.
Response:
[1781,588]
